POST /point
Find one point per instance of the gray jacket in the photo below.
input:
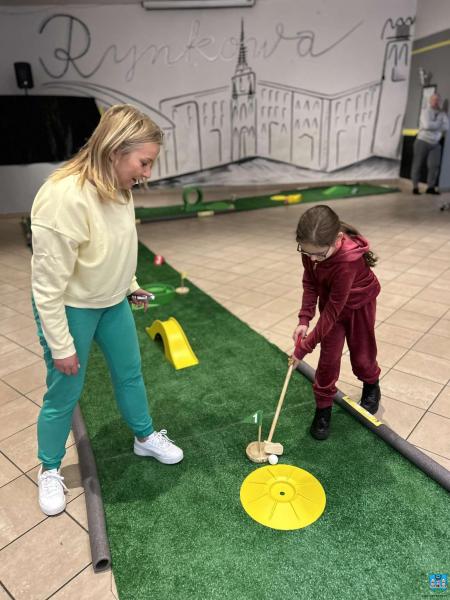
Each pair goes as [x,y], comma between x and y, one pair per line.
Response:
[433,123]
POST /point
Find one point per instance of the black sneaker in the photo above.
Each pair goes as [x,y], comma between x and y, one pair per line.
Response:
[416,191]
[370,398]
[433,191]
[320,427]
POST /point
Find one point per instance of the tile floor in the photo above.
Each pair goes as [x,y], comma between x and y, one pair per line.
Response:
[247,262]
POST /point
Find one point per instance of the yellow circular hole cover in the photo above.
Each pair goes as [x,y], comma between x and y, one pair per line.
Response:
[283,497]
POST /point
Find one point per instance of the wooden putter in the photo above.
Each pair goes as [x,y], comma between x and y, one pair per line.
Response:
[269,446]
[259,452]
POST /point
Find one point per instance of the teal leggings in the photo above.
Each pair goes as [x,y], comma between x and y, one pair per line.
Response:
[114,330]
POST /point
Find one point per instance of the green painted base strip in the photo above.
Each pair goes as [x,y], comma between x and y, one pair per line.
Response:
[320,194]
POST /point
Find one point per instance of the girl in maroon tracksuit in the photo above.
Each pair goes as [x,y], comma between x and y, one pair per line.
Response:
[337,261]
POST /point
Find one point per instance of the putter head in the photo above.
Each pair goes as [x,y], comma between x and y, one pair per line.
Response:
[273,448]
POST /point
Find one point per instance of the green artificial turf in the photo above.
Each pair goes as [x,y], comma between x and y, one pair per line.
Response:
[179,532]
[316,194]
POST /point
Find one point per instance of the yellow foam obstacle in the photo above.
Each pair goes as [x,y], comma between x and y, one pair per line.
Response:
[287,198]
[177,349]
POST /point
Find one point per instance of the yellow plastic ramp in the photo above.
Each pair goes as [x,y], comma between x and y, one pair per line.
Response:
[177,349]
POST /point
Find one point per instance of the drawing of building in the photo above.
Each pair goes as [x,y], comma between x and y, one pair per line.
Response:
[202,129]
[243,106]
[318,131]
[395,93]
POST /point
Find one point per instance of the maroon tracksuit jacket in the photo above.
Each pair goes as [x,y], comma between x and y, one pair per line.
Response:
[346,289]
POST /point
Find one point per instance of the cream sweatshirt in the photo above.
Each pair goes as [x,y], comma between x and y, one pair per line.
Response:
[84,255]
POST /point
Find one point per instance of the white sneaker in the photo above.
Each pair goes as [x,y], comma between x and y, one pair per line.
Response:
[51,492]
[160,447]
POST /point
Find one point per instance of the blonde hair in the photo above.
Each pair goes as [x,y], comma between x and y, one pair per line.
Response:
[121,129]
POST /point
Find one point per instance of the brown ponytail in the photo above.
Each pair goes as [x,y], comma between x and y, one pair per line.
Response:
[370,258]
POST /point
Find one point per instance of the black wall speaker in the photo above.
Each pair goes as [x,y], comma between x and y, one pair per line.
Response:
[24,77]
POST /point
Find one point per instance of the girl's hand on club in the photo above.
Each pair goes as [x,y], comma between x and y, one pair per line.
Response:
[67,366]
[300,332]
[294,361]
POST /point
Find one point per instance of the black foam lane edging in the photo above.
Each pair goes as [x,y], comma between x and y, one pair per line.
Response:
[98,538]
[405,448]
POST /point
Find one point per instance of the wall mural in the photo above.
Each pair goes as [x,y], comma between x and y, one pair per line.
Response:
[245,117]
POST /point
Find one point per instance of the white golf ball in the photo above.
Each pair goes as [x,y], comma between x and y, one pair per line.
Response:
[273,459]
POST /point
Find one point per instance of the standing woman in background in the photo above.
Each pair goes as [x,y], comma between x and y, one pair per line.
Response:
[83,269]
[427,146]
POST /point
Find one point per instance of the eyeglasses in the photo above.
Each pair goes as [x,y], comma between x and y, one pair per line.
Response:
[316,254]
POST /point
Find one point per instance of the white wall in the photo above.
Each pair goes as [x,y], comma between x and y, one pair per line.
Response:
[158,54]
[19,185]
[432,16]
[178,65]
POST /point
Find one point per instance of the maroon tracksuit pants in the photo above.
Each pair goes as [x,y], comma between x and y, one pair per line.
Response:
[358,327]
